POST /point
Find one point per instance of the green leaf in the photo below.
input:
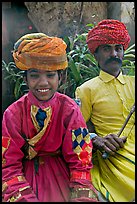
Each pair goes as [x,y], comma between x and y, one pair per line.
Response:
[74,70]
[91,58]
[129,49]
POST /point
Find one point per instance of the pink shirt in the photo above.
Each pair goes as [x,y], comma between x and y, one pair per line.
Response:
[43,177]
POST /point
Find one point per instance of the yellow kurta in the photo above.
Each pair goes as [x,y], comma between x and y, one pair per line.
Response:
[107,101]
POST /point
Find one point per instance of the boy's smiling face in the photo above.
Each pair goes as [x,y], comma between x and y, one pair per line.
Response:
[43,84]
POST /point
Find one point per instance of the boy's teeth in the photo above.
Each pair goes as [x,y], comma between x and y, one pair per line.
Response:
[43,90]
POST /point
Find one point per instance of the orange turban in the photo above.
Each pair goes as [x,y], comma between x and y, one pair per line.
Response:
[40,51]
[108,32]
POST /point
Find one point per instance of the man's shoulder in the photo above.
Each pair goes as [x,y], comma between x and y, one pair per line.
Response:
[129,78]
[91,81]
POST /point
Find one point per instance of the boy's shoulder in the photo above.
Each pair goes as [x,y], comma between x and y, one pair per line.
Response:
[18,104]
[65,99]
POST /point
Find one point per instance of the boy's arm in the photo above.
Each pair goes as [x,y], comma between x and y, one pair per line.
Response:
[77,152]
[15,187]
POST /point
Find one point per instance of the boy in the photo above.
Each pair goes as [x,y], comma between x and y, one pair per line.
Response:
[46,148]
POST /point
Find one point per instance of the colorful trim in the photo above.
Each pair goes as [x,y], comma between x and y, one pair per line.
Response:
[12,181]
[32,142]
[80,175]
[82,145]
[83,192]
[37,137]
[34,112]
[15,197]
[5,145]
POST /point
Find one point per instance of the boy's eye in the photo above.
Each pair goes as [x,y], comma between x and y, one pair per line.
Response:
[51,75]
[34,76]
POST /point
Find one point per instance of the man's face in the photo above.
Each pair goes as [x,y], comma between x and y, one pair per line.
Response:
[43,84]
[110,57]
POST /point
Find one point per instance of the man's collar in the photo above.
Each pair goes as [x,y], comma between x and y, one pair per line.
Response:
[107,77]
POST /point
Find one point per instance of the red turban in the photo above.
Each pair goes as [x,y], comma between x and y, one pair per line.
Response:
[108,32]
[40,51]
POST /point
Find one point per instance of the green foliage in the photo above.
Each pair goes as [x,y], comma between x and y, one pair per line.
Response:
[15,78]
[128,64]
[82,66]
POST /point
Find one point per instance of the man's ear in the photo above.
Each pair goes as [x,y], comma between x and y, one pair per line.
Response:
[96,56]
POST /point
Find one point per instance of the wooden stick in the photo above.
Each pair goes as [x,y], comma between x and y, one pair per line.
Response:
[105,155]
[126,121]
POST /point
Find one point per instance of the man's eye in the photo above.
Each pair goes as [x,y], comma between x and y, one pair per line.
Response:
[119,49]
[106,48]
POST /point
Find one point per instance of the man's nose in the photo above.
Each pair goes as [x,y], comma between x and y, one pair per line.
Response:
[113,53]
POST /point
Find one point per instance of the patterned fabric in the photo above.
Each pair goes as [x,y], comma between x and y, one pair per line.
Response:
[108,32]
[12,181]
[53,167]
[40,117]
[107,101]
[5,145]
[82,145]
[78,193]
[40,51]
[80,175]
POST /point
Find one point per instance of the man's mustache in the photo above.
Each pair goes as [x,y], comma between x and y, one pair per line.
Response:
[113,59]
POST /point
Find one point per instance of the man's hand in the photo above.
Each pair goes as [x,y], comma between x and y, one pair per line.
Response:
[110,143]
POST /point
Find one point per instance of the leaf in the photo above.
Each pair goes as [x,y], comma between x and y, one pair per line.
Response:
[129,56]
[129,49]
[91,58]
[129,67]
[74,70]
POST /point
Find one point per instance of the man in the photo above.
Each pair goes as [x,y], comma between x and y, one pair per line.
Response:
[46,147]
[106,101]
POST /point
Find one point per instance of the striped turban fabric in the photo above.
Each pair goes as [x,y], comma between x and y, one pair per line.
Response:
[39,51]
[108,32]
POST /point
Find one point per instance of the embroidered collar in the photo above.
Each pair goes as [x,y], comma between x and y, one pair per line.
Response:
[107,77]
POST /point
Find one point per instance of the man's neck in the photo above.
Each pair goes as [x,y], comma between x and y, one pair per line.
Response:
[115,74]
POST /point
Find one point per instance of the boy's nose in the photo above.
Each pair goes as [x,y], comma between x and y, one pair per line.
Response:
[43,80]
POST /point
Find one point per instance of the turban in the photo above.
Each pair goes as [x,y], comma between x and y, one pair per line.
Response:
[108,32]
[40,51]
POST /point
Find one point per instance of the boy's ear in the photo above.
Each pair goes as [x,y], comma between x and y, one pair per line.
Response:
[25,79]
[60,77]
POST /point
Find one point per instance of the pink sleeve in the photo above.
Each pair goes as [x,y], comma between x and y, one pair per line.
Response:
[15,188]
[77,152]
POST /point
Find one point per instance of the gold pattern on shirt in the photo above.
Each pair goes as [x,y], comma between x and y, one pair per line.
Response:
[81,145]
[5,145]
[34,109]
